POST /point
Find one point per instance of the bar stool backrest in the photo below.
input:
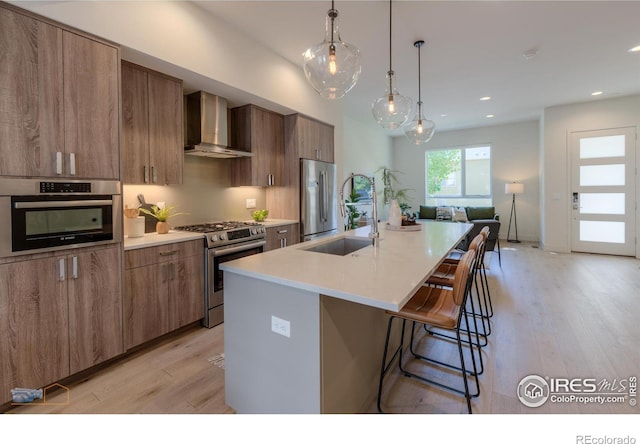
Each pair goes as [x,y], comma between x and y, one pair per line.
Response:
[461,277]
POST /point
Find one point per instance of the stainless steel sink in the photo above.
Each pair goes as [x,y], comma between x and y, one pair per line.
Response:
[341,246]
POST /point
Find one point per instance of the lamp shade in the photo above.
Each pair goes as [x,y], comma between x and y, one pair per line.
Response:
[513,188]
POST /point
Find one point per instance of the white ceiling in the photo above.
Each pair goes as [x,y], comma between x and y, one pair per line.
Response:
[474,49]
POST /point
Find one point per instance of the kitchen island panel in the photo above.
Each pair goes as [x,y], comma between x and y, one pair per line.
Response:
[266,372]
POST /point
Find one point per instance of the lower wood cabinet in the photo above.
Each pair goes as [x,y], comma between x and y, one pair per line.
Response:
[164,289]
[59,315]
[281,236]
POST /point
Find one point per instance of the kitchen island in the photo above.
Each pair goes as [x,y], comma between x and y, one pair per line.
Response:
[304,329]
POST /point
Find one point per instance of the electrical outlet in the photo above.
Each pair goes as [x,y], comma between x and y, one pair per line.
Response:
[251,203]
[281,326]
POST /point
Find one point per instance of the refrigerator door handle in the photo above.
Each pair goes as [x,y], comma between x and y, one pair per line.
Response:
[321,195]
[326,198]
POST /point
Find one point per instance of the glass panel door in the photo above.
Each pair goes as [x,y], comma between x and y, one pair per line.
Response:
[603,187]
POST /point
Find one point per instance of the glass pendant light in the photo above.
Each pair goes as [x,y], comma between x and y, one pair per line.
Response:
[420,130]
[392,109]
[332,67]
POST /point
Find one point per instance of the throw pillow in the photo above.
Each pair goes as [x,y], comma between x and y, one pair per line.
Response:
[427,212]
[460,215]
[475,213]
[443,213]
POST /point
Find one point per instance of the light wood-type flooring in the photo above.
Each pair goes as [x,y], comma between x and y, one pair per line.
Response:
[556,316]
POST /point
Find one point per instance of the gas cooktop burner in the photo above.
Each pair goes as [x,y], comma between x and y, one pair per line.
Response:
[216,226]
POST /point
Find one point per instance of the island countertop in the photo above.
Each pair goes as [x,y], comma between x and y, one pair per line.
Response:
[384,277]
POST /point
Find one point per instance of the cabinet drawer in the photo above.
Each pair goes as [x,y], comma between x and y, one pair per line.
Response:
[141,257]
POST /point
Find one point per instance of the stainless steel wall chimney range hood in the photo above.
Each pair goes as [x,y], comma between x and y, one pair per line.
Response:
[206,116]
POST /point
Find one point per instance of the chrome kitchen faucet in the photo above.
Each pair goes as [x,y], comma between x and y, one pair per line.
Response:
[374,235]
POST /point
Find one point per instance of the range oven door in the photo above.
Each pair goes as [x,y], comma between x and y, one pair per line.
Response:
[215,276]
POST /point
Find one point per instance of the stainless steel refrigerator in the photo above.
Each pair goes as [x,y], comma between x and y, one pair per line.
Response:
[318,199]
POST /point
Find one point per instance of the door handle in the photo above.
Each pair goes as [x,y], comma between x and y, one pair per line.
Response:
[61,275]
[58,163]
[74,267]
[72,164]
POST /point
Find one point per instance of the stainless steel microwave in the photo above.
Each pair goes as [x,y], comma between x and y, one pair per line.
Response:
[46,215]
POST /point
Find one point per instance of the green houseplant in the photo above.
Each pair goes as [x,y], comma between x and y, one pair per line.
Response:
[352,210]
[162,215]
[389,178]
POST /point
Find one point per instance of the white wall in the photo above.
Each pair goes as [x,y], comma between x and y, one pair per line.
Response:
[514,157]
[559,122]
[366,148]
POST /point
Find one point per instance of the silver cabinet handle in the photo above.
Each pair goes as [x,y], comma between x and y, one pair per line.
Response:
[282,231]
[285,241]
[146,174]
[58,162]
[61,276]
[72,164]
[168,253]
[154,174]
[164,272]
[74,267]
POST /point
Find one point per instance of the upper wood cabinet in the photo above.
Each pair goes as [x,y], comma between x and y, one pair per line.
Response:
[312,138]
[152,127]
[59,115]
[262,132]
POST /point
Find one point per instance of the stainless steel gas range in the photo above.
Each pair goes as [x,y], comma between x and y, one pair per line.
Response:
[224,241]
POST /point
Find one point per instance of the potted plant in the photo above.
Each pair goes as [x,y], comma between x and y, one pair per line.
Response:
[352,210]
[162,215]
[389,193]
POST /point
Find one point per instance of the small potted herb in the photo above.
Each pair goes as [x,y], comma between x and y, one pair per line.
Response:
[162,215]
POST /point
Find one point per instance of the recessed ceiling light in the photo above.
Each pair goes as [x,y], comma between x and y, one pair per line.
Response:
[596,93]
[490,116]
[444,115]
[635,49]
[485,98]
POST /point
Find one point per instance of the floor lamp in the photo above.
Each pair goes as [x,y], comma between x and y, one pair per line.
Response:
[513,188]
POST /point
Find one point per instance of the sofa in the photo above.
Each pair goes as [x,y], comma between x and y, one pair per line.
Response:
[480,217]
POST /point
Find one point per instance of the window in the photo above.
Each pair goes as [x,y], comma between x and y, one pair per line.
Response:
[459,176]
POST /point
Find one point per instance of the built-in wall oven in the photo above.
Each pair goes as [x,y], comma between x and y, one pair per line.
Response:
[45,215]
[225,241]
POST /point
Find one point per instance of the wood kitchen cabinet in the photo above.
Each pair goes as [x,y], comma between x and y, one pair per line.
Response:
[261,132]
[281,236]
[306,138]
[164,289]
[59,315]
[60,110]
[313,139]
[152,127]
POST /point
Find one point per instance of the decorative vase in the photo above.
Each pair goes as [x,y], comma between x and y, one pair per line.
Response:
[395,214]
[162,227]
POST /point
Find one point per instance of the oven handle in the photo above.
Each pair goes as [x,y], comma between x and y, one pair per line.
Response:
[235,249]
[64,204]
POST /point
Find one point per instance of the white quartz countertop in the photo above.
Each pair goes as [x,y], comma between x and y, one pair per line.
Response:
[275,222]
[384,277]
[154,239]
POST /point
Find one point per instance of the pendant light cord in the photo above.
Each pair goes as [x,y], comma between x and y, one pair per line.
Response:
[419,81]
[390,24]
